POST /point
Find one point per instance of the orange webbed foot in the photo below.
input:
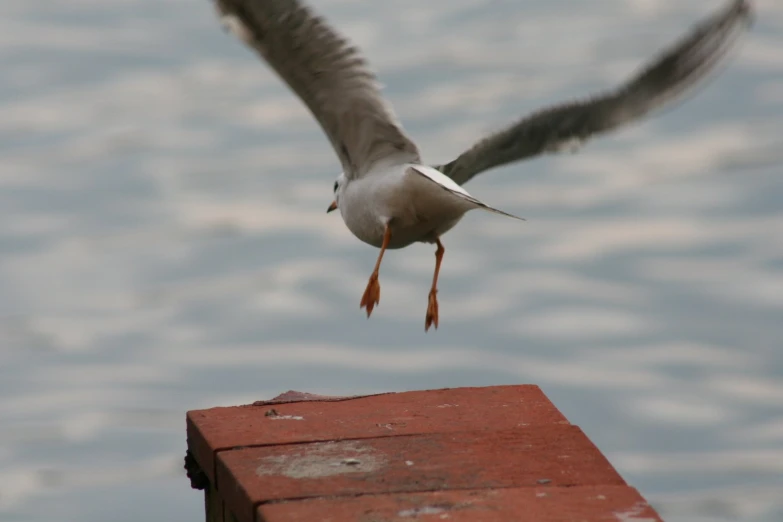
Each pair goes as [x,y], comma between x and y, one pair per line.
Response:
[432,311]
[372,295]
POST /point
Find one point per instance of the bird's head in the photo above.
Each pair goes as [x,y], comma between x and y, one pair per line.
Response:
[338,189]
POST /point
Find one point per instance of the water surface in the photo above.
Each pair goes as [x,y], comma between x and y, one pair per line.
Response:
[164,247]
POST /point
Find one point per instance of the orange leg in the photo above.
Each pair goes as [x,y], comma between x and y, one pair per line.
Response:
[432,305]
[372,295]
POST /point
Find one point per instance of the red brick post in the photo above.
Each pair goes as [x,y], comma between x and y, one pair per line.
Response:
[496,454]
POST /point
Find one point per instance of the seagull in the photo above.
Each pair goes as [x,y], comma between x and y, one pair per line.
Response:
[387,197]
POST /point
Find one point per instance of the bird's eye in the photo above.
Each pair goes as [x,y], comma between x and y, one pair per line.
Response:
[335,187]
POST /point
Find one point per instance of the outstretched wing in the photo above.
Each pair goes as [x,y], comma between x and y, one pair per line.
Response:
[328,74]
[555,128]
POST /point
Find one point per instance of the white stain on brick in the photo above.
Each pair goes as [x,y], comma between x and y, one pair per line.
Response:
[287,417]
[426,510]
[632,514]
[323,459]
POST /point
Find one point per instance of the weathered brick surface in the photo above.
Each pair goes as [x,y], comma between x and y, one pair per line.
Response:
[500,453]
[386,415]
[537,504]
[555,455]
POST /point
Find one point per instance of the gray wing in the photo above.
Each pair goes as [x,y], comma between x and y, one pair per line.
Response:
[328,74]
[555,128]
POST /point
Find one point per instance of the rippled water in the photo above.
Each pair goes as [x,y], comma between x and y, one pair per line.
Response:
[164,247]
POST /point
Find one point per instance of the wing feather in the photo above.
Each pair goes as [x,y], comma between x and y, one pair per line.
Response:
[328,74]
[558,127]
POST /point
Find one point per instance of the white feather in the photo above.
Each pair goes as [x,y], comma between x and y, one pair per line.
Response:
[441,179]
[237,28]
[446,182]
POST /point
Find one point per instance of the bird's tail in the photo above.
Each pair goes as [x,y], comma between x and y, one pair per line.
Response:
[482,206]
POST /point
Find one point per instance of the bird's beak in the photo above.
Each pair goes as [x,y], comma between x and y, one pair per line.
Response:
[333,206]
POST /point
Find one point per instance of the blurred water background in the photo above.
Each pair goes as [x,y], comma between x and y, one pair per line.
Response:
[164,247]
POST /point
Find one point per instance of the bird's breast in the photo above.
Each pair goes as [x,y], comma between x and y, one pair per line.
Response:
[415,208]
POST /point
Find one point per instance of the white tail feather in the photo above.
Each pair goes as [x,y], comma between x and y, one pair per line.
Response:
[449,184]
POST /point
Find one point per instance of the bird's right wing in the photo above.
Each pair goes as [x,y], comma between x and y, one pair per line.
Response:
[329,75]
[555,128]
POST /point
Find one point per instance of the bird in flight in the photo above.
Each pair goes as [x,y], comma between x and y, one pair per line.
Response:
[387,197]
